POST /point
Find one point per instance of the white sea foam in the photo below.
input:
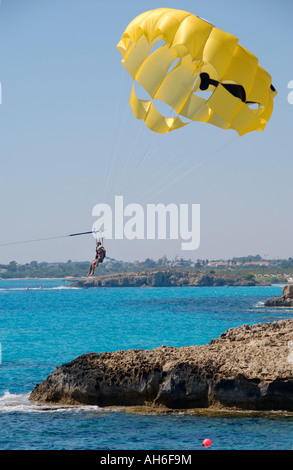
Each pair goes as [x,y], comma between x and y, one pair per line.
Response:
[8,289]
[259,304]
[19,403]
[62,288]
[10,402]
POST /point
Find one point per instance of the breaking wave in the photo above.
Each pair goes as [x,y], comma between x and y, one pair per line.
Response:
[19,403]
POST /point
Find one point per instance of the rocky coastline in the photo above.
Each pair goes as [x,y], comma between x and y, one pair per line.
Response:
[165,278]
[246,368]
[286,299]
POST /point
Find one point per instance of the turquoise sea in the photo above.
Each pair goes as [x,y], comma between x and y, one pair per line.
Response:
[44,324]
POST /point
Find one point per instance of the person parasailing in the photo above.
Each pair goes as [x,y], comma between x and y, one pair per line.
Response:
[100,255]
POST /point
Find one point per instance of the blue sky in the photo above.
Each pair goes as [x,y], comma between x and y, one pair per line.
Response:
[68,139]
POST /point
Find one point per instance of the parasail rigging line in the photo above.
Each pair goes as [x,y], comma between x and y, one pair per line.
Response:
[190,170]
[50,238]
[121,179]
[116,142]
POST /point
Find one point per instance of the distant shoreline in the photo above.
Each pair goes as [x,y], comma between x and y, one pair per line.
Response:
[39,278]
[167,278]
[250,269]
[157,278]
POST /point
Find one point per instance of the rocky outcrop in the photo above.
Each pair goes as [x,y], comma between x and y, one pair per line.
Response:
[286,299]
[249,367]
[163,278]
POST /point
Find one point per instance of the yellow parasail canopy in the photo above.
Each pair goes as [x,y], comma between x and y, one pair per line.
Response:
[195,57]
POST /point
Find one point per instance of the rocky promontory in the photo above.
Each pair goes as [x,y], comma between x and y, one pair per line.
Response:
[248,367]
[165,278]
[286,299]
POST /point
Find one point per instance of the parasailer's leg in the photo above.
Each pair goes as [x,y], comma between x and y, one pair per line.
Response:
[93,267]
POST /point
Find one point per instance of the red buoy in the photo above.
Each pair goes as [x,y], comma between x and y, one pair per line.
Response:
[207,443]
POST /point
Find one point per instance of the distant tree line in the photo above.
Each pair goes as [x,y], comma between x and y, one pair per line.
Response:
[36,269]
